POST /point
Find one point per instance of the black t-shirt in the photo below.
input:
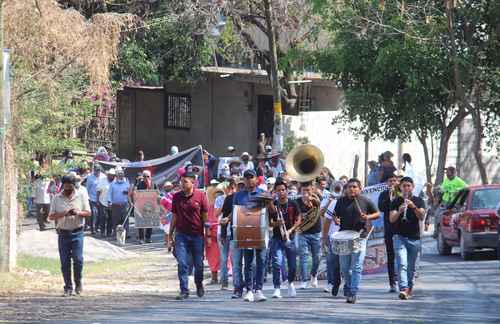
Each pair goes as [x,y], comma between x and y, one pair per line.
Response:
[384,205]
[227,211]
[290,212]
[316,228]
[409,228]
[348,211]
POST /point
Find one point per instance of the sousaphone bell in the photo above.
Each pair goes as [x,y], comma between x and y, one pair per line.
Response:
[304,163]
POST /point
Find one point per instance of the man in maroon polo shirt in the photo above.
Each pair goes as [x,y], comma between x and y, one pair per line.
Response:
[189,221]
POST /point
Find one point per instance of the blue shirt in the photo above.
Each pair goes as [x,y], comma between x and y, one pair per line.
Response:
[118,192]
[242,197]
[91,186]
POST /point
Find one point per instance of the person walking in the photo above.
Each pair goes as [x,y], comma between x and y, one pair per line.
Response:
[41,200]
[406,213]
[70,208]
[103,207]
[118,200]
[92,222]
[189,222]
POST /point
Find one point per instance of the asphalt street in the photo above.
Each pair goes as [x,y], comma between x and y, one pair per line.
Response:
[449,290]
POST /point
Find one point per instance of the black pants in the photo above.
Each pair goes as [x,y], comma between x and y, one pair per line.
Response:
[105,223]
[148,232]
[42,212]
[389,247]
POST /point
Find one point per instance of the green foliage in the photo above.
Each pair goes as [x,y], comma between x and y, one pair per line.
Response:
[167,48]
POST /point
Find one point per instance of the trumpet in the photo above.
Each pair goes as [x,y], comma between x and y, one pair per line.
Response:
[404,219]
[284,233]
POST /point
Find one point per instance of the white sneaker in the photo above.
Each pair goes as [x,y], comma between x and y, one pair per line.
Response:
[314,281]
[291,290]
[249,296]
[303,285]
[328,288]
[259,296]
[277,293]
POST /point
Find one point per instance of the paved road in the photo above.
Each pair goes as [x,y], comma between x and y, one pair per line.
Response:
[448,290]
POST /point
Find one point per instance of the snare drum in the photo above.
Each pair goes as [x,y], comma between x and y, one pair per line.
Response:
[346,242]
[250,228]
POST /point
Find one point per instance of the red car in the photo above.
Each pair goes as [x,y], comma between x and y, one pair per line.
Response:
[470,221]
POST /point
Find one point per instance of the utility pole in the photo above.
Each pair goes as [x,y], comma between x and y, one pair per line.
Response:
[3,228]
[273,55]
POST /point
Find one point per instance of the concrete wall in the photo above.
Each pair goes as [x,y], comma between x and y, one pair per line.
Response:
[224,112]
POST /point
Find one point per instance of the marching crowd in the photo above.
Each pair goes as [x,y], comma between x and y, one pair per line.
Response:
[198,224]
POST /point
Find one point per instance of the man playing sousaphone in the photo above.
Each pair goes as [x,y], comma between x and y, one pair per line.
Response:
[354,213]
[309,233]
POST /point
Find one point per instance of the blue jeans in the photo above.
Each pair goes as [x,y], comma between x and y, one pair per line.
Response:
[279,250]
[333,266]
[71,248]
[309,242]
[351,266]
[224,255]
[186,246]
[255,278]
[237,256]
[406,259]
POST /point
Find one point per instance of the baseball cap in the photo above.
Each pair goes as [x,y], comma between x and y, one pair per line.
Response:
[245,154]
[111,171]
[249,174]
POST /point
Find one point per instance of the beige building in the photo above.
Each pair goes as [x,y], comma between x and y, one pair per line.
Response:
[227,106]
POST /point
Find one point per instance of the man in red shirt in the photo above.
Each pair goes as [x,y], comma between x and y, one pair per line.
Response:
[189,221]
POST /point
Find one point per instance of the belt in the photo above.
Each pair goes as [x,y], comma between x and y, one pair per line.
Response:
[63,231]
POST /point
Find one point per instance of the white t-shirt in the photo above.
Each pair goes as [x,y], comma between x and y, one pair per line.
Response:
[334,228]
[102,188]
[248,166]
[41,191]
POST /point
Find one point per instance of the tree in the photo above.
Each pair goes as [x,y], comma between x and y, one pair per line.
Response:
[399,67]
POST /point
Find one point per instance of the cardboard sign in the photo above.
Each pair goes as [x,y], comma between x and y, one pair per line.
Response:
[147,208]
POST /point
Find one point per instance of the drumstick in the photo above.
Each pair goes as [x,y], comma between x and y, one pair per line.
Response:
[368,225]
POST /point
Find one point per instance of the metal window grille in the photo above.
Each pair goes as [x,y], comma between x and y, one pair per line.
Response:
[178,111]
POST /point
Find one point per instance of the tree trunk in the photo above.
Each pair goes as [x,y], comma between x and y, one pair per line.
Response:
[443,153]
[423,140]
[477,146]
[278,115]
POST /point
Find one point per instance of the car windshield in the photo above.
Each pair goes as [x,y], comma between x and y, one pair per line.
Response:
[486,198]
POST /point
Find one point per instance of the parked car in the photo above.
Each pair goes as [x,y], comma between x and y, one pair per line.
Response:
[470,221]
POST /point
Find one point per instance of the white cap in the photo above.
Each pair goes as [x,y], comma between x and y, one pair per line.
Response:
[111,171]
[174,150]
[119,170]
[214,182]
[269,148]
[230,148]
[245,153]
[270,181]
[146,173]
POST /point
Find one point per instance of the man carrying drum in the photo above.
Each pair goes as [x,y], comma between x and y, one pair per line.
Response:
[405,216]
[354,212]
[247,197]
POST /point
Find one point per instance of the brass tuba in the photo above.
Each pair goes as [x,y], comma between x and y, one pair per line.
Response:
[304,163]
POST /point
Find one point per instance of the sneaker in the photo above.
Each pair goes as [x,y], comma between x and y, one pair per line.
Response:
[291,290]
[141,241]
[78,290]
[200,292]
[277,293]
[335,291]
[259,296]
[249,296]
[314,281]
[351,300]
[393,289]
[182,296]
[236,294]
[224,285]
[149,241]
[303,285]
[403,294]
[67,293]
[328,288]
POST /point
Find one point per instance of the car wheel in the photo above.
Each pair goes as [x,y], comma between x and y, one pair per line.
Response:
[464,251]
[442,246]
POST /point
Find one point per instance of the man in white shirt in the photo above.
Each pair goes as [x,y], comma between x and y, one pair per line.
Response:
[41,200]
[330,227]
[246,163]
[104,210]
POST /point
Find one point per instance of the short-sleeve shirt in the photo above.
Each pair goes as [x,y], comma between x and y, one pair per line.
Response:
[188,210]
[316,228]
[330,212]
[411,227]
[61,203]
[349,213]
[290,212]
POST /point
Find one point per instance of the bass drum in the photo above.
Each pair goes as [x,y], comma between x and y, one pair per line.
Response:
[250,228]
